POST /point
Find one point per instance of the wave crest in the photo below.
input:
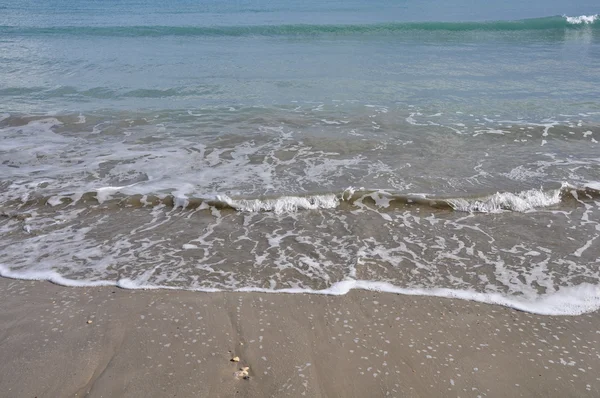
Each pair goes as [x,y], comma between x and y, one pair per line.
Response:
[532,24]
[522,201]
[284,204]
[582,19]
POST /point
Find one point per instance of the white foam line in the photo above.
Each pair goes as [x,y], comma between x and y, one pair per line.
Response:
[520,202]
[583,248]
[51,276]
[285,204]
[574,300]
[593,185]
[582,19]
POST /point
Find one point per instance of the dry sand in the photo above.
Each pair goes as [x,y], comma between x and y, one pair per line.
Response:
[364,344]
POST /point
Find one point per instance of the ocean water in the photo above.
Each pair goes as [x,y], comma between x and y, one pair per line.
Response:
[445,148]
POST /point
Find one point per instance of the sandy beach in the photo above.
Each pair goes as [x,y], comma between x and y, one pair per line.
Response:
[300,198]
[107,342]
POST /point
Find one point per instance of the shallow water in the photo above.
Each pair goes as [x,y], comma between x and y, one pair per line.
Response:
[444,149]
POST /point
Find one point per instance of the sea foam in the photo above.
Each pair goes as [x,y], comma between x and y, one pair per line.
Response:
[573,300]
[284,204]
[582,19]
[520,202]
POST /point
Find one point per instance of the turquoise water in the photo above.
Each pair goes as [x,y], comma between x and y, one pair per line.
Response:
[73,56]
[448,148]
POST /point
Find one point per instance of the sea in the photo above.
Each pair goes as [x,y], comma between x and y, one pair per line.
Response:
[425,147]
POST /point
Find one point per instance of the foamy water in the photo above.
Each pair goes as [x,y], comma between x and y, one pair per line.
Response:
[582,19]
[277,213]
[450,151]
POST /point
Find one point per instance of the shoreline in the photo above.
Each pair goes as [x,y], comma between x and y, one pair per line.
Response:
[179,343]
[583,299]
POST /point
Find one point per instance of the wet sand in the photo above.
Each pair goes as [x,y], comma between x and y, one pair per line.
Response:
[364,344]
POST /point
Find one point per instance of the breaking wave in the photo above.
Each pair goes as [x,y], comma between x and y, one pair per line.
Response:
[582,19]
[494,203]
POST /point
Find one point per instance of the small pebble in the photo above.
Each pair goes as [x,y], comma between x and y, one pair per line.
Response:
[242,373]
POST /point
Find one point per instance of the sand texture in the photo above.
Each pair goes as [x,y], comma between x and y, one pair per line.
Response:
[109,342]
